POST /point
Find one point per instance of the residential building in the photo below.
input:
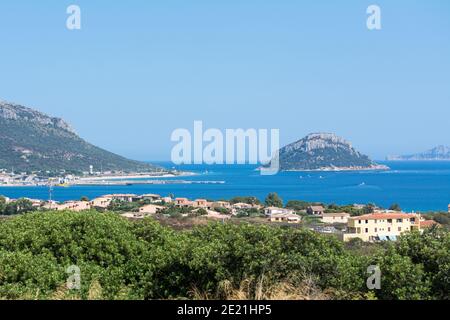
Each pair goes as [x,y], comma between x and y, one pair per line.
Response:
[69,205]
[241,205]
[381,226]
[151,197]
[332,218]
[315,210]
[150,209]
[274,211]
[221,204]
[101,202]
[183,202]
[285,217]
[123,197]
[201,203]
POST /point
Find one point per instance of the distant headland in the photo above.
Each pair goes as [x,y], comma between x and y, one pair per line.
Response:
[439,153]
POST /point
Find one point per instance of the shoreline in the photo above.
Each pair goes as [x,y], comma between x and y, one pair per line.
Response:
[341,169]
[111,180]
[138,176]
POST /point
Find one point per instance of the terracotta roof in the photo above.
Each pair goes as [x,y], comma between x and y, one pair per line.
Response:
[317,208]
[380,216]
[428,223]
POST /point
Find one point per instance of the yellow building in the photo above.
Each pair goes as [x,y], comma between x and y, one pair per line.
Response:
[150,209]
[332,218]
[101,202]
[381,226]
[69,205]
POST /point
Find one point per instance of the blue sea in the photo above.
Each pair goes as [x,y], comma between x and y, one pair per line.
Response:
[416,186]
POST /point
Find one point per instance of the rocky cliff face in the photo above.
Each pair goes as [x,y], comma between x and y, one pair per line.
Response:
[14,112]
[437,153]
[33,141]
[324,151]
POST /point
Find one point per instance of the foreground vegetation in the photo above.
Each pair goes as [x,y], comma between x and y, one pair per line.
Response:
[120,259]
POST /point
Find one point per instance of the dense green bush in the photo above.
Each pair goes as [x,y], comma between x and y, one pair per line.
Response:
[119,259]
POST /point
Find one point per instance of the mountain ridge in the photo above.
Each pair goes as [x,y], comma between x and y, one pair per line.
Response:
[440,152]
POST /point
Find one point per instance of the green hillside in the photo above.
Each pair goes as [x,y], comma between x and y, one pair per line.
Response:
[32,141]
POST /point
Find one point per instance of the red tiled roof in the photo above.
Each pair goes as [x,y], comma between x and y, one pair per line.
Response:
[380,216]
[428,223]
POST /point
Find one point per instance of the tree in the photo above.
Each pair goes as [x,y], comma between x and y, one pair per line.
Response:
[273,200]
[248,200]
[401,278]
[369,208]
[17,207]
[395,207]
[84,198]
[24,205]
[297,205]
[2,204]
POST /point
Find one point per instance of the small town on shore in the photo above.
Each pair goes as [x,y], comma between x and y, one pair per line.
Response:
[368,223]
[91,177]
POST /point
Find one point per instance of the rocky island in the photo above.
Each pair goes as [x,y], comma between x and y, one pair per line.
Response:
[324,152]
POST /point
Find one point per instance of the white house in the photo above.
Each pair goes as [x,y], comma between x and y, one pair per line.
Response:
[274,210]
[285,217]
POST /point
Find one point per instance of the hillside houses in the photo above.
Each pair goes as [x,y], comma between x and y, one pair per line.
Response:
[381,225]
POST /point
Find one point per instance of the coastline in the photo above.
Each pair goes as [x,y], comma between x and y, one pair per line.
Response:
[339,169]
[138,176]
[111,180]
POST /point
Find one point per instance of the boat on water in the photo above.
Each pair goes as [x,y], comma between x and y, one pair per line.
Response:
[63,185]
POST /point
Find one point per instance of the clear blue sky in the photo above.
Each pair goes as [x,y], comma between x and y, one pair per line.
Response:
[140,69]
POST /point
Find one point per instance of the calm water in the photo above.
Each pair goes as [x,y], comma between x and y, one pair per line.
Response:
[419,186]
